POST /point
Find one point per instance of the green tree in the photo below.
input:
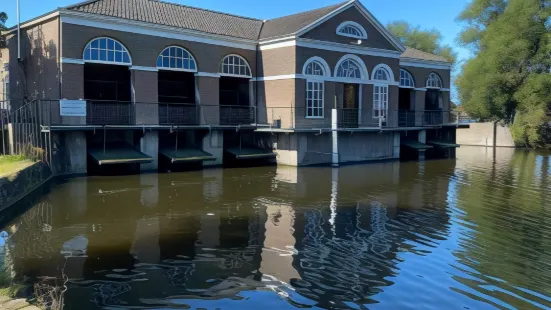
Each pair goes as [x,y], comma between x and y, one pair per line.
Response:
[429,41]
[3,19]
[509,77]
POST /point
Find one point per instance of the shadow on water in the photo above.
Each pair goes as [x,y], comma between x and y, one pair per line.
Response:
[470,233]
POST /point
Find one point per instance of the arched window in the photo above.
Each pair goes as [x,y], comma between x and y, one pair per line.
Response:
[406,80]
[106,50]
[382,74]
[434,81]
[176,58]
[352,30]
[235,65]
[350,68]
[313,68]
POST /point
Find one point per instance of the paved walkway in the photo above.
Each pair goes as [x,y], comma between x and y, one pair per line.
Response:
[15,304]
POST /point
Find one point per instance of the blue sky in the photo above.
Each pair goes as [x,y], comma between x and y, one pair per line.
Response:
[437,14]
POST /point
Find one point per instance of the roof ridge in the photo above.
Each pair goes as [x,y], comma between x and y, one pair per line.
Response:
[202,9]
[309,11]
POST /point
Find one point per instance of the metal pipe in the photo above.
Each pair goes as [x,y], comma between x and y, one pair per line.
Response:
[18,32]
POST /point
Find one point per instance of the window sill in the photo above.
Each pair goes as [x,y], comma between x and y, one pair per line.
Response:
[314,117]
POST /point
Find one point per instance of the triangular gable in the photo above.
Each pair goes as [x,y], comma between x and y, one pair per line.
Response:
[393,41]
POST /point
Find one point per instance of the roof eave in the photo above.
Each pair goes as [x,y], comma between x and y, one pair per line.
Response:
[426,61]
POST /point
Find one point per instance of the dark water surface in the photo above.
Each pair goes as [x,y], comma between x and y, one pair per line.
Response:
[471,233]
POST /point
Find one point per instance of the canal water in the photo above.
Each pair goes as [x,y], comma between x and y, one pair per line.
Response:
[471,233]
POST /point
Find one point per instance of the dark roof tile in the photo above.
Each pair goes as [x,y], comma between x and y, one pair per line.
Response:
[175,15]
[417,54]
[291,24]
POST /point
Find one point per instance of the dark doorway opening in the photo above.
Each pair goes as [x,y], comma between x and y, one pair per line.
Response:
[106,82]
[350,113]
[108,94]
[176,87]
[433,107]
[177,98]
[235,106]
[406,107]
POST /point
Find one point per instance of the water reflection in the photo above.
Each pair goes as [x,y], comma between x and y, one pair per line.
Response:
[467,233]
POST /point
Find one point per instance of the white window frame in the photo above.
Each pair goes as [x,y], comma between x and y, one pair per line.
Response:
[88,49]
[380,97]
[358,61]
[360,28]
[406,76]
[234,65]
[315,103]
[434,81]
[186,56]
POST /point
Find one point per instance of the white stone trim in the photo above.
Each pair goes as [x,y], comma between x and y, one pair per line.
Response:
[321,61]
[420,89]
[279,77]
[331,46]
[208,74]
[363,71]
[65,60]
[119,24]
[142,68]
[353,24]
[319,78]
[409,62]
[388,69]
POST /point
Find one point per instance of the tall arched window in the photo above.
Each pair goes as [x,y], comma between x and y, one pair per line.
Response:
[176,58]
[106,50]
[406,80]
[382,75]
[352,30]
[313,69]
[235,65]
[350,68]
[434,81]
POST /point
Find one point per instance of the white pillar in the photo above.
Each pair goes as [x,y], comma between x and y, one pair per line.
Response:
[335,139]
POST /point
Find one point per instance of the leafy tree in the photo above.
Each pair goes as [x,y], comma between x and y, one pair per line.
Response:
[509,78]
[429,41]
[3,19]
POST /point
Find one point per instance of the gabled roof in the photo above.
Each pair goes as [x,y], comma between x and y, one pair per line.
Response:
[175,15]
[417,54]
[291,24]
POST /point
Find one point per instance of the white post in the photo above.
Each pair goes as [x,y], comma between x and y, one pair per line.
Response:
[335,138]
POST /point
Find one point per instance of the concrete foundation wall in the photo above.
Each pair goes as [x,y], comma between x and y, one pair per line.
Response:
[314,149]
[213,143]
[355,147]
[149,145]
[69,155]
[482,134]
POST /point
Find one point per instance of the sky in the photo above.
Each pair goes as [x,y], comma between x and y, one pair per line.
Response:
[439,14]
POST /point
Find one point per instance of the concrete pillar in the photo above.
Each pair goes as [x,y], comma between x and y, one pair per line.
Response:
[422,139]
[396,145]
[69,152]
[213,143]
[419,106]
[207,95]
[149,145]
[335,139]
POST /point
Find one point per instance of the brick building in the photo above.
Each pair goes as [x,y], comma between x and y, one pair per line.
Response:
[185,84]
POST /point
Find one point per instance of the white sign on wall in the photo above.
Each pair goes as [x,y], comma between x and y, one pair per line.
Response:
[72,107]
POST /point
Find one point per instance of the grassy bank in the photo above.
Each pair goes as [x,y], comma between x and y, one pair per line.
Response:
[13,163]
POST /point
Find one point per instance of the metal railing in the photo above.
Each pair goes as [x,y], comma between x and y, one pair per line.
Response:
[348,118]
[99,112]
[293,118]
[407,118]
[179,114]
[234,115]
[21,132]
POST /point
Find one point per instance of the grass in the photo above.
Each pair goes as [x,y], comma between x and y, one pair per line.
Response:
[10,164]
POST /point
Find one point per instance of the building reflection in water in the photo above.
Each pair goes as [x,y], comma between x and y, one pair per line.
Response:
[316,236]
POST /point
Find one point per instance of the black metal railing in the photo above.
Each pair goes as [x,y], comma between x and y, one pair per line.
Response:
[179,114]
[237,115]
[348,118]
[407,118]
[110,112]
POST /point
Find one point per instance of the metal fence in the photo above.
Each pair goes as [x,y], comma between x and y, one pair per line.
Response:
[179,114]
[408,118]
[110,112]
[22,132]
[237,115]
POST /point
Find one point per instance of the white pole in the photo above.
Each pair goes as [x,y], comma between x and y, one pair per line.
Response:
[18,32]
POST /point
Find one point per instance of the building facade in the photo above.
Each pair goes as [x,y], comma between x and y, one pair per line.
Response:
[182,84]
